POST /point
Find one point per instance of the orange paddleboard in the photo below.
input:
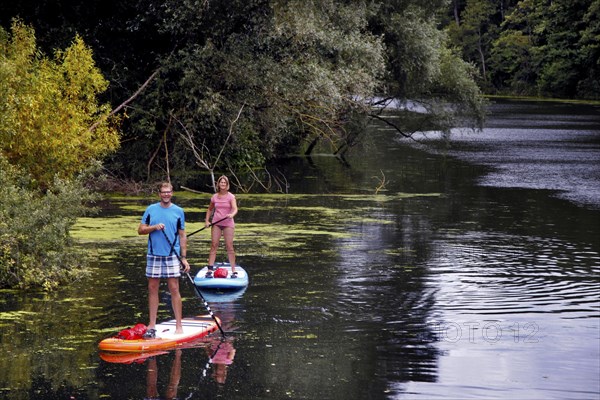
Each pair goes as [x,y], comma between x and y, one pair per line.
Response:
[193,328]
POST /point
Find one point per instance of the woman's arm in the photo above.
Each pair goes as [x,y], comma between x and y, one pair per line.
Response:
[234,208]
[208,213]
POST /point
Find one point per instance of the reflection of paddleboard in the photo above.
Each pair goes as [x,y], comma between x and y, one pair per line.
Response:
[222,296]
[222,283]
[193,328]
[129,358]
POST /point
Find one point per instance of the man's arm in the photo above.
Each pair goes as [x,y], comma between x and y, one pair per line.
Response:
[183,250]
[145,229]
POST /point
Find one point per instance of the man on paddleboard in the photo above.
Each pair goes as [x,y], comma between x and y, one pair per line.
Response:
[164,223]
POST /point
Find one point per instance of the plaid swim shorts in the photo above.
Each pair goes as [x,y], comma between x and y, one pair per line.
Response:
[162,267]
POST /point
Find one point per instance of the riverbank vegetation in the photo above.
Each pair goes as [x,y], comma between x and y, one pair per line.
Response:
[531,47]
[45,146]
[179,90]
[299,74]
[36,248]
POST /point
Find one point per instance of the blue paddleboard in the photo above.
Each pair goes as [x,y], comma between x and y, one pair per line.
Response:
[228,283]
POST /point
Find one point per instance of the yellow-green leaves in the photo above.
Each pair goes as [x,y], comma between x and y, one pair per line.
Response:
[49,106]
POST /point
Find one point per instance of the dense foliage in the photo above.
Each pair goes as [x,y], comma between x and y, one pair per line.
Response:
[45,144]
[532,47]
[35,247]
[49,106]
[239,83]
[295,68]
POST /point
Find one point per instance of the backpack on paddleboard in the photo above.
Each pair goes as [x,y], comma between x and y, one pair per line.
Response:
[132,333]
[220,273]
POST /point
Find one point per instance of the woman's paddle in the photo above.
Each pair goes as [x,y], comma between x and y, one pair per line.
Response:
[194,285]
[201,229]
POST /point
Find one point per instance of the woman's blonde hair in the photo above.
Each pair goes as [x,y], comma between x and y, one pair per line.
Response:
[219,180]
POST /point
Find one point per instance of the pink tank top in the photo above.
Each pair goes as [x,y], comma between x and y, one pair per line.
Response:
[222,207]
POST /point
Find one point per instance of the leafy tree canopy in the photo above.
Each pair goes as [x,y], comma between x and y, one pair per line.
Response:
[300,71]
[239,83]
[49,106]
[533,47]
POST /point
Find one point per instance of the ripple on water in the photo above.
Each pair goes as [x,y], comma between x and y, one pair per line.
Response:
[495,273]
[532,157]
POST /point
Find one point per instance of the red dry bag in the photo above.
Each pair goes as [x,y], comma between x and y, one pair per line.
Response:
[220,273]
[132,333]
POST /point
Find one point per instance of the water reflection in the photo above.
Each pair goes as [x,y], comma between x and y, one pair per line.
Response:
[152,391]
[543,146]
[222,296]
[222,353]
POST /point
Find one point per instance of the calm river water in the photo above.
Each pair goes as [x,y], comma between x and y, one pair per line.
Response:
[474,273]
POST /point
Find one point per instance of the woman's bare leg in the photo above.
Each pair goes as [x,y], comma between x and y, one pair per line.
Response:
[214,245]
[228,234]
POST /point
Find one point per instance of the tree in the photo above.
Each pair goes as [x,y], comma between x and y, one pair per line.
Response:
[46,142]
[423,69]
[536,47]
[49,107]
[475,33]
[302,71]
[512,64]
[562,66]
[36,250]
[296,68]
[589,44]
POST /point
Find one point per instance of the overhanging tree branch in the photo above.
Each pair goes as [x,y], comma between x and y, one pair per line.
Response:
[396,127]
[230,133]
[129,100]
[199,155]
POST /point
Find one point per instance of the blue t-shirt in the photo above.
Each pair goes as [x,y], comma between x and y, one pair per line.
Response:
[173,218]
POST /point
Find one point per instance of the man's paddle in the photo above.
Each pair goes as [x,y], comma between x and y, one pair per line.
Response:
[194,285]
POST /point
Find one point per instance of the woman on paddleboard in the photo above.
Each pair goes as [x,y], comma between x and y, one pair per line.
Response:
[164,223]
[222,208]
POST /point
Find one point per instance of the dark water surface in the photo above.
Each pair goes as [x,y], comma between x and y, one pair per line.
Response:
[473,274]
